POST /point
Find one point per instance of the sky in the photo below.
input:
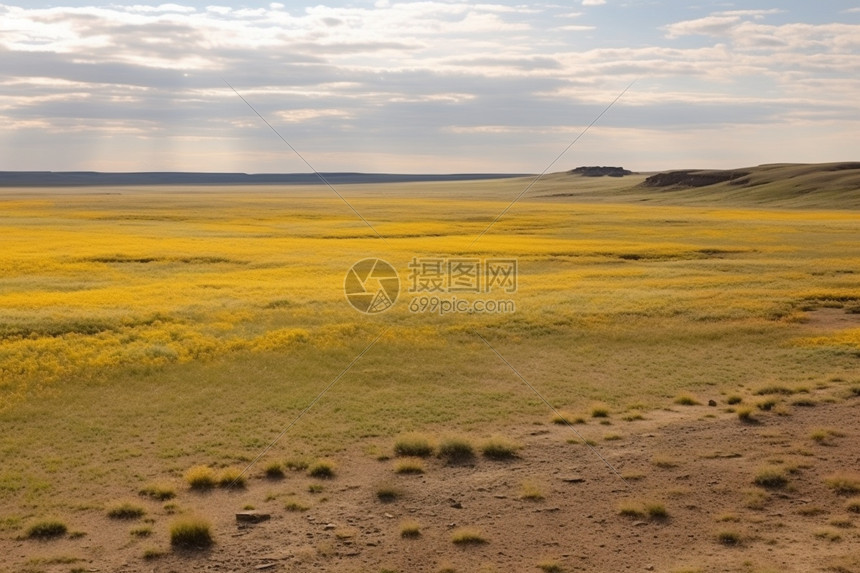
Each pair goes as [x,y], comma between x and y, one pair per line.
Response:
[426,87]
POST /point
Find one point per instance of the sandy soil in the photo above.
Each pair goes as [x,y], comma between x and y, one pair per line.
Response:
[706,475]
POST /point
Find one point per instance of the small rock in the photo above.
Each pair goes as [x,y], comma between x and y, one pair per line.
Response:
[457,505]
[264,566]
[500,496]
[649,568]
[711,403]
[329,526]
[389,516]
[252,516]
[573,479]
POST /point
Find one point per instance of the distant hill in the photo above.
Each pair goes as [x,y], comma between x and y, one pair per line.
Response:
[594,171]
[94,178]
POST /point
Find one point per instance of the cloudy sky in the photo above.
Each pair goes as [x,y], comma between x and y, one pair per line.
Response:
[435,86]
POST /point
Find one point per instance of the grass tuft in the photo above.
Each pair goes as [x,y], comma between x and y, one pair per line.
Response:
[295,505]
[467,536]
[410,529]
[550,566]
[46,529]
[734,399]
[388,493]
[844,483]
[125,510]
[322,469]
[729,537]
[296,464]
[500,448]
[771,477]
[563,418]
[456,449]
[191,533]
[745,414]
[274,470]
[231,477]
[599,411]
[409,466]
[531,491]
[853,505]
[686,399]
[159,492]
[142,531]
[413,444]
[201,477]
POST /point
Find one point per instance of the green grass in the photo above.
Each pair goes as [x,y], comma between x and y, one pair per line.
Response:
[296,505]
[191,533]
[500,448]
[125,510]
[467,536]
[413,445]
[46,529]
[322,469]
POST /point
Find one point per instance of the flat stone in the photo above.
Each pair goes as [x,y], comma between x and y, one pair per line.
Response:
[573,479]
[252,517]
[265,566]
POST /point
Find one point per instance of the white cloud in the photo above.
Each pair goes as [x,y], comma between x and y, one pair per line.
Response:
[593,2]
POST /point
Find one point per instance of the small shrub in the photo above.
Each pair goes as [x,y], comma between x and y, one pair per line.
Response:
[729,537]
[467,536]
[295,505]
[631,417]
[804,403]
[774,389]
[413,444]
[191,533]
[125,510]
[274,470]
[201,477]
[500,448]
[755,499]
[550,566]
[841,522]
[853,505]
[766,405]
[686,400]
[409,466]
[828,534]
[296,464]
[171,508]
[563,418]
[599,411]
[315,488]
[531,491]
[630,509]
[745,414]
[143,531]
[410,529]
[158,491]
[231,477]
[734,399]
[651,509]
[387,493]
[656,510]
[844,483]
[46,529]
[456,449]
[152,553]
[613,437]
[770,477]
[322,469]
[810,511]
[664,462]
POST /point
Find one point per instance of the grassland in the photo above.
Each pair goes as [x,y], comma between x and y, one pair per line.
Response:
[147,331]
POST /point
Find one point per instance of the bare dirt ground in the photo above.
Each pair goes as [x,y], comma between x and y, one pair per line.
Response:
[698,461]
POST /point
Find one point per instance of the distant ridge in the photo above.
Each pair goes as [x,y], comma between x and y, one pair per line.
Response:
[95,178]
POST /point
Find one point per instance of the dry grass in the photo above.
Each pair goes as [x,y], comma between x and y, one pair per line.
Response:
[531,491]
[650,509]
[456,449]
[686,399]
[467,536]
[730,537]
[410,529]
[844,483]
[46,529]
[296,505]
[550,566]
[664,462]
[191,533]
[563,418]
[201,477]
[231,477]
[322,469]
[387,493]
[160,492]
[771,477]
[409,466]
[413,444]
[500,448]
[125,510]
[600,411]
[853,505]
[274,470]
